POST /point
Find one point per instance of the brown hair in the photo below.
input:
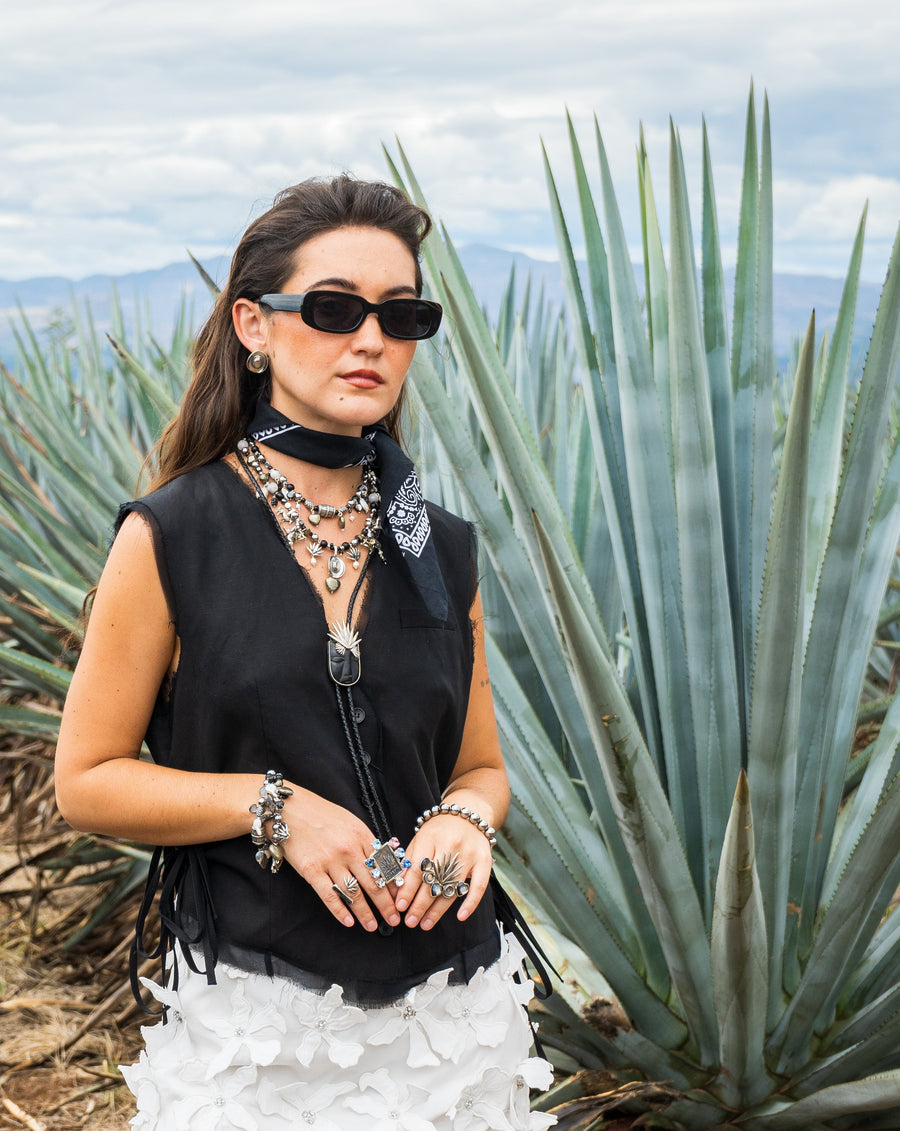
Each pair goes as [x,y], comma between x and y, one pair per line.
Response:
[219,401]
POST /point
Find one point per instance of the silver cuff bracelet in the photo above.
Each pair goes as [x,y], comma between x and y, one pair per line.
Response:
[272,795]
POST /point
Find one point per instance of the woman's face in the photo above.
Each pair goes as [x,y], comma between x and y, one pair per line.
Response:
[340,382]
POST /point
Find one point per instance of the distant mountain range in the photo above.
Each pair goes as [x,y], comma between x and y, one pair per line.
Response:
[151,299]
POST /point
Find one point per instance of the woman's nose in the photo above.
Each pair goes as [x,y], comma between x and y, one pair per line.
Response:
[369,337]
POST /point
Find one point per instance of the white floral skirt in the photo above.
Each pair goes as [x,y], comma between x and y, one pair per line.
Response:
[264,1054]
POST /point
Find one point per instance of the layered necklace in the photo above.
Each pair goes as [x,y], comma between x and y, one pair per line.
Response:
[285,502]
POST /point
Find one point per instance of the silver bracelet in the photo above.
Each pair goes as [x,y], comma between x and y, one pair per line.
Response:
[272,795]
[458,811]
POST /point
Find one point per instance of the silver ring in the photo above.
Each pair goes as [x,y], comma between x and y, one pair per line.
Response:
[441,876]
[350,885]
[342,895]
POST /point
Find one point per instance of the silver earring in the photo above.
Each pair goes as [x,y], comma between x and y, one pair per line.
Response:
[258,362]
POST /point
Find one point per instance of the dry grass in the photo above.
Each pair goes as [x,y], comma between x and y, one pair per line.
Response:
[66,1015]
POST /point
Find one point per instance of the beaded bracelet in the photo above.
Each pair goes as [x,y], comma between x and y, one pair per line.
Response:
[272,795]
[458,811]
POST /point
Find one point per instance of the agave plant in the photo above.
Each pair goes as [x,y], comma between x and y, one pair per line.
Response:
[78,418]
[698,845]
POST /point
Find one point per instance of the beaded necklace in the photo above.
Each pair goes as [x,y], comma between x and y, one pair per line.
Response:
[283,499]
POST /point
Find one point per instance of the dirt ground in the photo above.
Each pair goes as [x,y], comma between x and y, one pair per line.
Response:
[58,1058]
[67,1018]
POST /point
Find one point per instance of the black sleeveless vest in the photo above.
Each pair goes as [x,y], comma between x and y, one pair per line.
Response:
[252,693]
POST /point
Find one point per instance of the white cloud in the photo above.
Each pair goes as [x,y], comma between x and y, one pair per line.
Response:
[129,130]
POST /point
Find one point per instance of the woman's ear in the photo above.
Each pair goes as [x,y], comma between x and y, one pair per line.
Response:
[250,325]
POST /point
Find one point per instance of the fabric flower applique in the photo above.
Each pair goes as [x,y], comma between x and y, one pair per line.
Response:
[510,964]
[218,1104]
[473,1008]
[499,1101]
[427,1033]
[388,1104]
[304,1104]
[140,1080]
[535,1072]
[326,1020]
[168,1041]
[249,1027]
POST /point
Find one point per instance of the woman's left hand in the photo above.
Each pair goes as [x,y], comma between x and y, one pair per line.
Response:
[440,836]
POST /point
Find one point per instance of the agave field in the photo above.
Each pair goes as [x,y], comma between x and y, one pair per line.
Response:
[690,581]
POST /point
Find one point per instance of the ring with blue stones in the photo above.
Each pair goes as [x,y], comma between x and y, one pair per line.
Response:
[388,862]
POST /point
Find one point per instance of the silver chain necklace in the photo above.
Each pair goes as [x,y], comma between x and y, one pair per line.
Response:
[283,499]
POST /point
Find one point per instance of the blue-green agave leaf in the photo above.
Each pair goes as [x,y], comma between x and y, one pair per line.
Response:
[715,338]
[874,1093]
[709,645]
[826,436]
[642,810]
[39,674]
[739,951]
[830,680]
[655,530]
[28,721]
[860,899]
[778,671]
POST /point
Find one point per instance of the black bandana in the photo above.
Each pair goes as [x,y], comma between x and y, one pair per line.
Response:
[405,516]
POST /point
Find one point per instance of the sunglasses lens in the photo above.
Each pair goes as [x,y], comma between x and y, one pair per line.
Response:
[408,318]
[398,317]
[337,313]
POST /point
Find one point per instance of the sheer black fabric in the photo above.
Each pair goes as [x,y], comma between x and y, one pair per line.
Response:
[252,692]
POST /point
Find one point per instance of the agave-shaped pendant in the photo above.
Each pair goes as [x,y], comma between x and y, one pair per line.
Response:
[343,654]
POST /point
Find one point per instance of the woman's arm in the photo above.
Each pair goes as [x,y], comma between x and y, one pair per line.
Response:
[479,782]
[103,787]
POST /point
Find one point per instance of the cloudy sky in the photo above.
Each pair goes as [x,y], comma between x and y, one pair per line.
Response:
[132,129]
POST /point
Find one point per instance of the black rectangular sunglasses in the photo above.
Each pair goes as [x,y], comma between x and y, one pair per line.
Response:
[337,312]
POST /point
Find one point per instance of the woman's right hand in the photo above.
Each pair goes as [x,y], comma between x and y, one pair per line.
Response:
[327,844]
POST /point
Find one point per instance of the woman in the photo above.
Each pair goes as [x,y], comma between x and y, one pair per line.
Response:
[299,638]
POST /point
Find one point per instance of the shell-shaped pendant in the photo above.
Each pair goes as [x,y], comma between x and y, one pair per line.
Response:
[336,566]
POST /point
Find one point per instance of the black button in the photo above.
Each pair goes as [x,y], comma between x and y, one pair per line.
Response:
[367,759]
[385,929]
[359,715]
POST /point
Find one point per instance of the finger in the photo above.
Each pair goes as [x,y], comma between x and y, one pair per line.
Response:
[416,894]
[429,906]
[440,905]
[324,886]
[381,898]
[481,877]
[349,892]
[412,885]
[420,897]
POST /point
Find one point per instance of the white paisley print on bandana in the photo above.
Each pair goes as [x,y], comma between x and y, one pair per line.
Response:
[408,518]
[264,1054]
